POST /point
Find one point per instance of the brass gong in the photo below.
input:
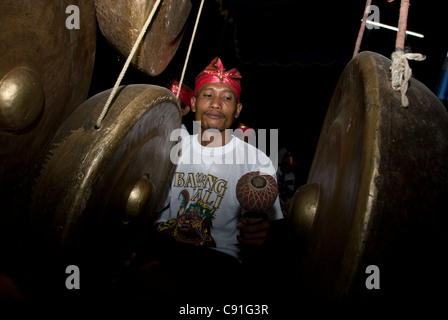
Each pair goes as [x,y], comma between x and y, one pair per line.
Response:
[109,178]
[121,21]
[45,73]
[376,192]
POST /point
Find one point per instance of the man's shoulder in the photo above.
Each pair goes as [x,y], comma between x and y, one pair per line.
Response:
[251,147]
[257,155]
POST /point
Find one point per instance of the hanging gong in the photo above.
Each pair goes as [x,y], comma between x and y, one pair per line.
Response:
[107,178]
[373,211]
[45,73]
[121,21]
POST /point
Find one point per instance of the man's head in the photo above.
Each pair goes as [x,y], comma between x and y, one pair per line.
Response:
[218,92]
[184,96]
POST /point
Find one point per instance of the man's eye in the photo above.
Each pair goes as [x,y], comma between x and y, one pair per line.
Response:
[228,98]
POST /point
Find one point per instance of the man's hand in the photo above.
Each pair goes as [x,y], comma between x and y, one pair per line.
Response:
[253,231]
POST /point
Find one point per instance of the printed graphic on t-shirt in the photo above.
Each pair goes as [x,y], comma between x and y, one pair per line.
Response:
[206,187]
[193,223]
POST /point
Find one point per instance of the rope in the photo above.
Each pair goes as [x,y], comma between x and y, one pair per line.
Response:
[362,28]
[402,24]
[189,48]
[126,65]
[400,70]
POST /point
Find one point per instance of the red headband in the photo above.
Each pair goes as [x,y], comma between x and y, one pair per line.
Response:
[185,93]
[215,73]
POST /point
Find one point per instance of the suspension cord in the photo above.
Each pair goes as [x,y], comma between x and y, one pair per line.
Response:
[126,65]
[189,48]
[362,28]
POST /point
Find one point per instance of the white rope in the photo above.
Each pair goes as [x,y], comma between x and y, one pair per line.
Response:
[189,48]
[126,65]
[401,72]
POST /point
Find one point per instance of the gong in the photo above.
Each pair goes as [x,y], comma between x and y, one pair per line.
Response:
[107,179]
[375,197]
[45,73]
[121,21]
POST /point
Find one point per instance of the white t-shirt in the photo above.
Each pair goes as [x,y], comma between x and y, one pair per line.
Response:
[203,208]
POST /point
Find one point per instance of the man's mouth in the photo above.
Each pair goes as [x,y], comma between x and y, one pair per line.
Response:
[214,115]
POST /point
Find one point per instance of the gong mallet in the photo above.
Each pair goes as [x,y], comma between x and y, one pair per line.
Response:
[256,193]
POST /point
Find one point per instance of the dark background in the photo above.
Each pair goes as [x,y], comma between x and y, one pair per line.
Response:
[291,54]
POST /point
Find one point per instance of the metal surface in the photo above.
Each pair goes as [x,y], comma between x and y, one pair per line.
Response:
[107,178]
[22,99]
[45,73]
[121,21]
[383,183]
[305,204]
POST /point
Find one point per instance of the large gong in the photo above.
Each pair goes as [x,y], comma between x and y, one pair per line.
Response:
[375,203]
[100,182]
[45,73]
[121,21]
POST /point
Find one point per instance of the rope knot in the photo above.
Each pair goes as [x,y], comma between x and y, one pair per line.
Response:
[401,72]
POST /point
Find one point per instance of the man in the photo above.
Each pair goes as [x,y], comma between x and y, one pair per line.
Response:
[184,99]
[209,185]
[203,226]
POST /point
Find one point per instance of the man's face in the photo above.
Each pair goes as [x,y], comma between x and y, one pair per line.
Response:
[216,106]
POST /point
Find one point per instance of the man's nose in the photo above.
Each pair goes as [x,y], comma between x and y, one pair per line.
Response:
[215,103]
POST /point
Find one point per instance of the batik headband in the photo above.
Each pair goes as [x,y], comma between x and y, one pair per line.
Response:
[215,73]
[185,93]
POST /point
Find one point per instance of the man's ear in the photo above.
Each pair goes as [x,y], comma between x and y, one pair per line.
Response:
[184,111]
[193,104]
[239,107]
